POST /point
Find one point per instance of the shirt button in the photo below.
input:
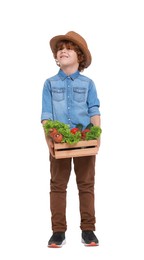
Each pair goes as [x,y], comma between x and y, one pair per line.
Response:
[68,107]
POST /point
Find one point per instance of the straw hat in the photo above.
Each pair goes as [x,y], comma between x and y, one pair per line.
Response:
[75,38]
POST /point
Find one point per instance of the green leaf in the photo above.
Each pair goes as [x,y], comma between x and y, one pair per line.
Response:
[68,137]
[94,133]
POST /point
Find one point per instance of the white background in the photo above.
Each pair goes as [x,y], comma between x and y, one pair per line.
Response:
[115,35]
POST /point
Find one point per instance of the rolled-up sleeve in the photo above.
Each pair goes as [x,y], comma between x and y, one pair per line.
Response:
[93,101]
[46,102]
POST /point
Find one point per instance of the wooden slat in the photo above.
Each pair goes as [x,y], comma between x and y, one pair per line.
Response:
[82,148]
[79,144]
[75,153]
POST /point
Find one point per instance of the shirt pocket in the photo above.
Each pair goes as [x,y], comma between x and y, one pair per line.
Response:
[58,94]
[79,94]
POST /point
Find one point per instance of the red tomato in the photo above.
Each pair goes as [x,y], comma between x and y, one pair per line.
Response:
[74,130]
[84,133]
[53,132]
[58,138]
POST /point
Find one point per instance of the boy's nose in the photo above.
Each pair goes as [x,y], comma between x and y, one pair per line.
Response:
[63,50]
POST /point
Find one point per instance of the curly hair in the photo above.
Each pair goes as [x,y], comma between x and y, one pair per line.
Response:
[71,46]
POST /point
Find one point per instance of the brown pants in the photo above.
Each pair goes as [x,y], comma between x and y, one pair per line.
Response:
[84,168]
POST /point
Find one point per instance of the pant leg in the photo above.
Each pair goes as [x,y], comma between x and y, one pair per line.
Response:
[84,168]
[60,173]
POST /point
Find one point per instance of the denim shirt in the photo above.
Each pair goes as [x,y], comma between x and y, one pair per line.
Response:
[69,99]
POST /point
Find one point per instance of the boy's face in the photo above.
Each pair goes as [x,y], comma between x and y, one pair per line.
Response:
[67,57]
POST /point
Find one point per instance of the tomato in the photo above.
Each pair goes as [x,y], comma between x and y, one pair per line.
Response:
[84,133]
[74,130]
[53,132]
[58,138]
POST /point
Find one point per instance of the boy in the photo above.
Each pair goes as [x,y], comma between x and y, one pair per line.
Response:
[71,98]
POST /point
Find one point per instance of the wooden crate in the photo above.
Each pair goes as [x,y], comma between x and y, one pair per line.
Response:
[82,148]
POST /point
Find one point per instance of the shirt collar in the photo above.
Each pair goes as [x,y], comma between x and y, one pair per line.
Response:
[63,76]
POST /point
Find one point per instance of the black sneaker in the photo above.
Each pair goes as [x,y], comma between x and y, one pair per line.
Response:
[57,240]
[89,238]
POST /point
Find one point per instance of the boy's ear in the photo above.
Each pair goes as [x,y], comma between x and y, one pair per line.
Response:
[57,62]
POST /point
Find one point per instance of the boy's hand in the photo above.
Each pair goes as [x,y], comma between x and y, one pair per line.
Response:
[49,141]
[98,145]
[96,120]
[50,146]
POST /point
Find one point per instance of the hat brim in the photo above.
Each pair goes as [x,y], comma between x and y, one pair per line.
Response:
[86,52]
